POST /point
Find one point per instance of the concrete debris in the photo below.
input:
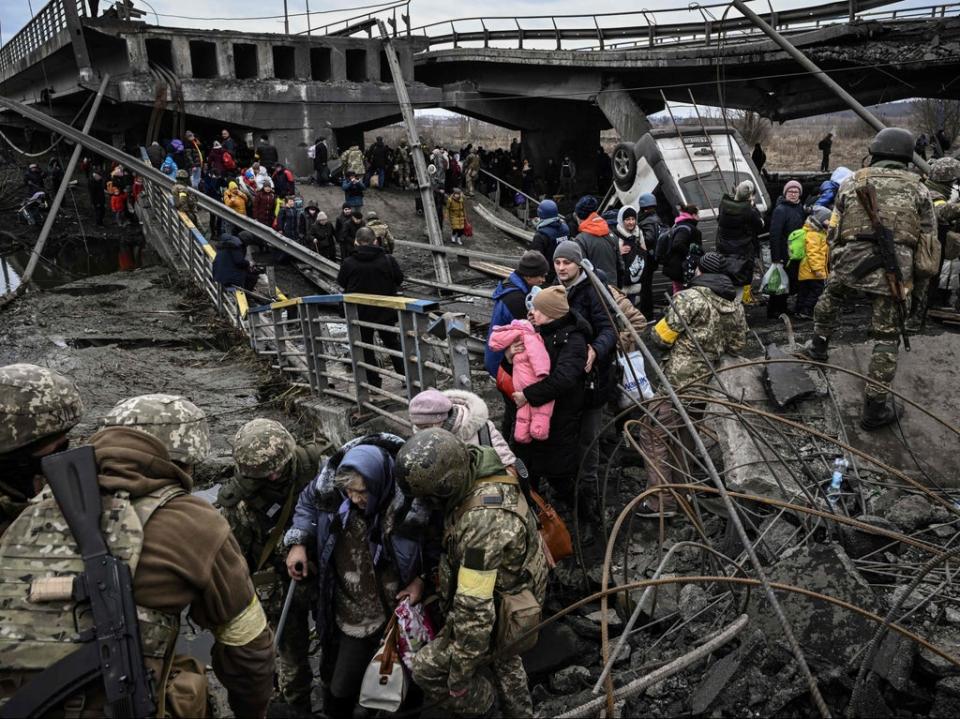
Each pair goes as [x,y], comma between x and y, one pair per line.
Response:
[787,383]
[946,703]
[693,600]
[570,680]
[910,513]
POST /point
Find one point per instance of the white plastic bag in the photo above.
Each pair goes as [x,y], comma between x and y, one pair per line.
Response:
[775,281]
[312,152]
[634,385]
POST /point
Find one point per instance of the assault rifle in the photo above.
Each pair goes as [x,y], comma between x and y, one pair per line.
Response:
[886,257]
[111,649]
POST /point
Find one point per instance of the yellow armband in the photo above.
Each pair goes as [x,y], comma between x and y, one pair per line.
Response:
[476,583]
[666,335]
[243,628]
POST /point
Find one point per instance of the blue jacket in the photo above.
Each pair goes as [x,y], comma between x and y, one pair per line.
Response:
[322,512]
[828,194]
[502,315]
[352,192]
[230,266]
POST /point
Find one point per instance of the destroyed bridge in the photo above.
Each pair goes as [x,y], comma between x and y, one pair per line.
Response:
[594,70]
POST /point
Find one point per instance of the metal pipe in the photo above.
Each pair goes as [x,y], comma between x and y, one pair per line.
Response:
[788,47]
[62,190]
[665,384]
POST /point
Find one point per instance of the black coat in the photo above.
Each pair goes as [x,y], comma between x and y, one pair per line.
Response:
[584,301]
[370,270]
[230,266]
[566,343]
[320,156]
[787,217]
[97,189]
[378,155]
[738,225]
[268,155]
[685,233]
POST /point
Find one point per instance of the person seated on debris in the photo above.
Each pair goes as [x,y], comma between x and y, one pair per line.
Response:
[565,334]
[462,413]
[349,538]
[231,268]
[712,319]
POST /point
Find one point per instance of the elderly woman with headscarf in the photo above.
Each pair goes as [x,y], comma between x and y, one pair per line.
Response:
[347,538]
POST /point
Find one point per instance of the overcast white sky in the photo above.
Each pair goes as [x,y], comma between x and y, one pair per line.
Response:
[15,13]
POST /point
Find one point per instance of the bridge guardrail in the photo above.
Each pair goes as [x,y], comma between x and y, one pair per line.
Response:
[299,336]
[659,27]
[502,187]
[46,25]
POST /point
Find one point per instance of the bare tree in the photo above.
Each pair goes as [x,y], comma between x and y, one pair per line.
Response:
[752,126]
[932,114]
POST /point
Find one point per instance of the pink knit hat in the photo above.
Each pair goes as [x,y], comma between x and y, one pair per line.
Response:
[429,407]
[793,184]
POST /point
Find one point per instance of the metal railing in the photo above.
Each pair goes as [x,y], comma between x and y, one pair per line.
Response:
[48,25]
[501,187]
[365,22]
[653,28]
[319,342]
[306,340]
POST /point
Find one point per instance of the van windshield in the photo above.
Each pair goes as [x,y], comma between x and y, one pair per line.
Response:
[714,183]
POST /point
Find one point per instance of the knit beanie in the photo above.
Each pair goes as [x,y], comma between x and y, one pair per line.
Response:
[552,302]
[790,185]
[712,262]
[429,407]
[532,264]
[627,213]
[569,250]
[321,216]
[586,206]
[744,191]
[820,217]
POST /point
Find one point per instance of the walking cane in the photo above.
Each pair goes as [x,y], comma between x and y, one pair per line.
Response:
[286,609]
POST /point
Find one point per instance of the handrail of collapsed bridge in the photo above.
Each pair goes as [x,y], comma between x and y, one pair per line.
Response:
[521,211]
[48,22]
[299,336]
[333,28]
[655,33]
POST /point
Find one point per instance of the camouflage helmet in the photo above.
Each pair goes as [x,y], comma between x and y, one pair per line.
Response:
[262,447]
[433,463]
[182,174]
[944,169]
[893,142]
[35,402]
[177,422]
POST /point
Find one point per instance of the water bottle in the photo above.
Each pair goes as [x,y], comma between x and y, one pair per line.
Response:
[833,492]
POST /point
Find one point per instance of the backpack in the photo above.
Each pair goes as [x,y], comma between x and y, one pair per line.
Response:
[691,262]
[228,162]
[797,244]
[664,244]
[565,170]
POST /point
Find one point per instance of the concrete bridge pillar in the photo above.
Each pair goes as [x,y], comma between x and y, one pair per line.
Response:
[180,50]
[265,60]
[137,53]
[338,65]
[623,112]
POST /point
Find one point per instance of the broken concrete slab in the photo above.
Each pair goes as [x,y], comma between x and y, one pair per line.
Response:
[946,703]
[786,383]
[832,633]
[911,512]
[718,675]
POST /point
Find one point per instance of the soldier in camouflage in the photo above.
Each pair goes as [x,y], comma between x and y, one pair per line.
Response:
[183,201]
[180,552]
[402,163]
[492,559]
[257,502]
[713,318]
[942,184]
[352,161]
[905,209]
[38,406]
[382,230]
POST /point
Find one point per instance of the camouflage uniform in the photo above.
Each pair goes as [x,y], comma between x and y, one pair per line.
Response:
[148,512]
[719,326]
[253,505]
[403,161]
[382,230]
[352,161]
[36,403]
[904,207]
[944,173]
[471,169]
[183,201]
[491,549]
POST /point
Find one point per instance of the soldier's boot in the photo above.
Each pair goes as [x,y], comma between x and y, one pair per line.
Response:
[816,349]
[878,412]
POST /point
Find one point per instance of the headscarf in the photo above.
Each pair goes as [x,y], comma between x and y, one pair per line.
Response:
[376,468]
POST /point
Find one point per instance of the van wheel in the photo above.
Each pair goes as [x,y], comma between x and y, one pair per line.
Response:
[624,165]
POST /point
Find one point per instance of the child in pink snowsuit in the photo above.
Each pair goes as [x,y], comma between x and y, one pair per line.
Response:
[529,367]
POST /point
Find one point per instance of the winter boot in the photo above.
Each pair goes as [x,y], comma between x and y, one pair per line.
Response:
[816,349]
[878,412]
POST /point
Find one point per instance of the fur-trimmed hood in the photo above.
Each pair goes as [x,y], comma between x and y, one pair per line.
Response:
[468,415]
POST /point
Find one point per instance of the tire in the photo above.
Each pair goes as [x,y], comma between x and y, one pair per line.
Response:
[624,165]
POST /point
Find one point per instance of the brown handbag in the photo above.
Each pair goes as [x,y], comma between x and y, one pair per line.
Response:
[557,543]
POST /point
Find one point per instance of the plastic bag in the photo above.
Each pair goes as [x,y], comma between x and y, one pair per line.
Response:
[634,385]
[775,281]
[415,630]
